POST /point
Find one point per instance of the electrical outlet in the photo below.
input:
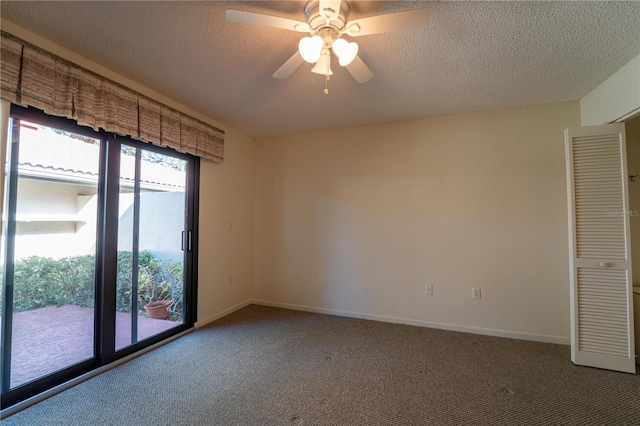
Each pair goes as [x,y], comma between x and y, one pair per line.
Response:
[428,289]
[477,294]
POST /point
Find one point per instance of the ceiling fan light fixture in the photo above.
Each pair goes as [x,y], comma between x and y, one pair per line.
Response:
[339,45]
[310,48]
[326,21]
[348,54]
[323,66]
[345,51]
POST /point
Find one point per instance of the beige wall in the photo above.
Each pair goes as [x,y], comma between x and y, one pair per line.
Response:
[357,221]
[226,229]
[633,165]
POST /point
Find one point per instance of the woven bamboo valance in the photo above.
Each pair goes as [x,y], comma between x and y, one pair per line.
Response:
[30,76]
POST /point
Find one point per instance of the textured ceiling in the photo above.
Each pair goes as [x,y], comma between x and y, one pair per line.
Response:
[472,56]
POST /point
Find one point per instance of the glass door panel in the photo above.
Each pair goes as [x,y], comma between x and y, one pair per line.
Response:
[51,246]
[94,230]
[150,244]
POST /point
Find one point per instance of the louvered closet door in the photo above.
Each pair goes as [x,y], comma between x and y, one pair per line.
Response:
[601,289]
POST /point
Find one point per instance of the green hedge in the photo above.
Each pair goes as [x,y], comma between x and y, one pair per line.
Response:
[42,281]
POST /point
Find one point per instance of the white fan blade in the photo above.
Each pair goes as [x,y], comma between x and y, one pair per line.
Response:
[408,20]
[359,70]
[266,20]
[329,9]
[290,66]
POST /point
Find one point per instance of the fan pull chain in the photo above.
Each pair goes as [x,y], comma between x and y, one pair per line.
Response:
[326,81]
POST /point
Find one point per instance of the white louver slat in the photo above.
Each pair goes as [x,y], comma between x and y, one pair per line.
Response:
[601,308]
[599,196]
[602,311]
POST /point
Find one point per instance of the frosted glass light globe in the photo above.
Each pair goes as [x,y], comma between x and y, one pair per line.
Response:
[309,48]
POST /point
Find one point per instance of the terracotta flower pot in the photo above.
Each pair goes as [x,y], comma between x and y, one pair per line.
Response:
[158,309]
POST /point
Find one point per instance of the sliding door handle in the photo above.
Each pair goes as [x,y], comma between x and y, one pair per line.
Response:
[186,240]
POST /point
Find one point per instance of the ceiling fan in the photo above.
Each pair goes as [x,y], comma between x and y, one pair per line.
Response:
[326,22]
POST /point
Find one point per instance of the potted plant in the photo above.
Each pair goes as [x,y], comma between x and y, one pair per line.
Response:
[158,309]
[159,286]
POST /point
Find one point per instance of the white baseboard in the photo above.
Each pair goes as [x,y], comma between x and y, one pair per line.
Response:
[221,314]
[561,340]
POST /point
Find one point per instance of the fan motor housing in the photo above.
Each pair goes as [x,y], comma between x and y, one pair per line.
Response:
[317,22]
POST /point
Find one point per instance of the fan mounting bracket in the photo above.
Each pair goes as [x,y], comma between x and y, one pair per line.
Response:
[328,35]
[317,21]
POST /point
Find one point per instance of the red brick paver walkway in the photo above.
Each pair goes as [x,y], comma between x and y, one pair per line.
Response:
[48,339]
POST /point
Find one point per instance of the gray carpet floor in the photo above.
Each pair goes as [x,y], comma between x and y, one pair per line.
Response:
[268,366]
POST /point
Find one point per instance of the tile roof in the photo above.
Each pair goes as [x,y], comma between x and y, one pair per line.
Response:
[44,152]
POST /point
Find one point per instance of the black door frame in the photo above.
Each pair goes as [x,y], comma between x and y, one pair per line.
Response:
[106,255]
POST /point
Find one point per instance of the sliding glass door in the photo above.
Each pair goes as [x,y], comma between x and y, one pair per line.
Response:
[151,243]
[98,254]
[50,252]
